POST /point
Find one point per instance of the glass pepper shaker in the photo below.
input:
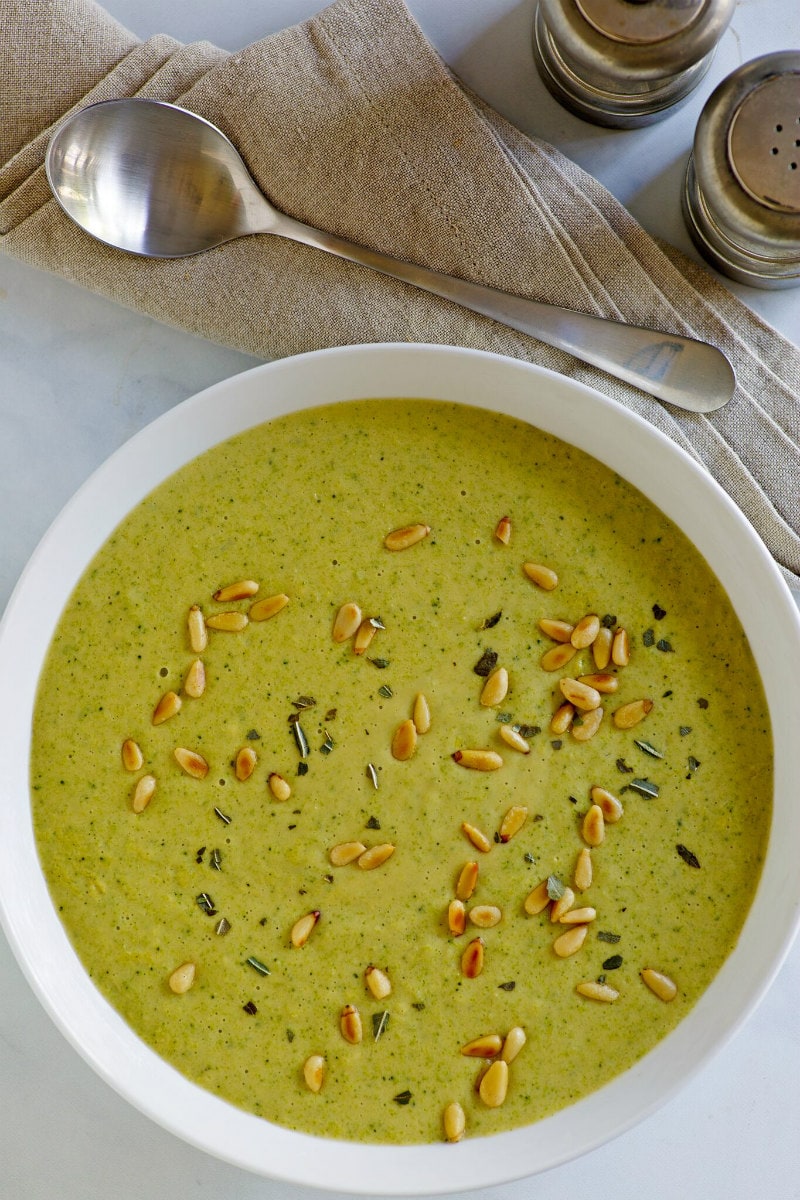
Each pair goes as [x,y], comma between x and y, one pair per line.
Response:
[626,63]
[741,198]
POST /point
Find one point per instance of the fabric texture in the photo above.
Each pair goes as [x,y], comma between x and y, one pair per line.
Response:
[351,122]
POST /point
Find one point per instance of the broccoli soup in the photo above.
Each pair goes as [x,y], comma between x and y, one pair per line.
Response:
[400,773]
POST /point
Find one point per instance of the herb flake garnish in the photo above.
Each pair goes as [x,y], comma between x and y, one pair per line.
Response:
[613,963]
[490,622]
[604,936]
[684,730]
[372,775]
[648,638]
[302,768]
[688,857]
[380,663]
[385,691]
[250,1008]
[509,986]
[257,965]
[402,1097]
[608,621]
[222,927]
[300,738]
[527,731]
[304,702]
[216,860]
[623,767]
[645,787]
[327,745]
[290,1035]
[702,702]
[226,820]
[555,888]
[373,823]
[664,646]
[253,735]
[486,663]
[380,1021]
[658,612]
[376,622]
[647,748]
[694,763]
[205,902]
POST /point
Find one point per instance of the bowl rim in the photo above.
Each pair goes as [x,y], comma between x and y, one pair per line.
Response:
[589,420]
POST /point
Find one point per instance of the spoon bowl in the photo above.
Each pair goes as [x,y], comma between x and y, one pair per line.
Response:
[155,179]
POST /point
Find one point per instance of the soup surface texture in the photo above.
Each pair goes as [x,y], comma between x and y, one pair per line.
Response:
[217,870]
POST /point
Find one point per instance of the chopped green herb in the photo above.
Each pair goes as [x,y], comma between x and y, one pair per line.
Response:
[608,622]
[648,638]
[486,663]
[222,927]
[527,731]
[613,963]
[372,775]
[694,763]
[418,1005]
[504,718]
[216,860]
[664,646]
[557,744]
[327,745]
[302,768]
[290,1035]
[376,622]
[250,1008]
[688,857]
[658,612]
[198,858]
[604,936]
[380,1021]
[402,1097]
[508,987]
[300,738]
[555,888]
[490,622]
[253,735]
[380,663]
[373,823]
[304,702]
[205,902]
[623,767]
[644,787]
[226,820]
[683,730]
[647,748]
[331,714]
[385,691]
[702,702]
[528,857]
[257,965]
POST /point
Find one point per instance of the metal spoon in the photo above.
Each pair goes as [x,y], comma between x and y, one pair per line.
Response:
[157,180]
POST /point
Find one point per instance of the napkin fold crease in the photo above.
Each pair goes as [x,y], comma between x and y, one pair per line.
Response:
[350,121]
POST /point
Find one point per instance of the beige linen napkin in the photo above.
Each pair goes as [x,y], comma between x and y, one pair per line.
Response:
[351,122]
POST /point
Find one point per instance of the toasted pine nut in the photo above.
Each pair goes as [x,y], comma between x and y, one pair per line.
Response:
[182,978]
[621,648]
[503,530]
[194,683]
[594,826]
[478,760]
[245,763]
[168,706]
[454,1122]
[421,715]
[270,606]
[346,852]
[601,648]
[570,942]
[661,985]
[597,991]
[378,982]
[576,693]
[514,1041]
[562,718]
[601,682]
[228,622]
[404,741]
[483,1047]
[236,591]
[582,877]
[409,535]
[191,762]
[143,793]
[611,806]
[485,916]
[559,631]
[279,787]
[456,917]
[350,1024]
[512,822]
[364,635]
[562,905]
[578,916]
[494,1084]
[198,637]
[537,900]
[590,723]
[543,577]
[467,879]
[557,656]
[479,839]
[514,739]
[301,930]
[585,631]
[631,714]
[376,856]
[132,757]
[472,958]
[495,689]
[347,621]
[314,1072]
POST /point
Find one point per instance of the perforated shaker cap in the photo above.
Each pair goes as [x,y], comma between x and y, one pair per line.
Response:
[742,196]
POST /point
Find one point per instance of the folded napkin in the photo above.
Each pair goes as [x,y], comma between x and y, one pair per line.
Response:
[351,122]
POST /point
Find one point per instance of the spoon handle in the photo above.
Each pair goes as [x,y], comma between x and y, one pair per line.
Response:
[690,374]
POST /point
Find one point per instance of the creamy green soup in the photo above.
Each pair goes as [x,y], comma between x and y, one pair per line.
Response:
[216,871]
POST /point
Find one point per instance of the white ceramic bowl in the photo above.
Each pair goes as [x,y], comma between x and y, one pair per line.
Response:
[571,411]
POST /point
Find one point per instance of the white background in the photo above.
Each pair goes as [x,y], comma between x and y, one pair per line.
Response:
[78,376]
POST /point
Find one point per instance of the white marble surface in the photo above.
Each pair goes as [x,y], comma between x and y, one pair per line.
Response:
[77,378]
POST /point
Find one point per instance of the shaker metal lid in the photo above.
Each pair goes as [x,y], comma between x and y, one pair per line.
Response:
[764,142]
[641,23]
